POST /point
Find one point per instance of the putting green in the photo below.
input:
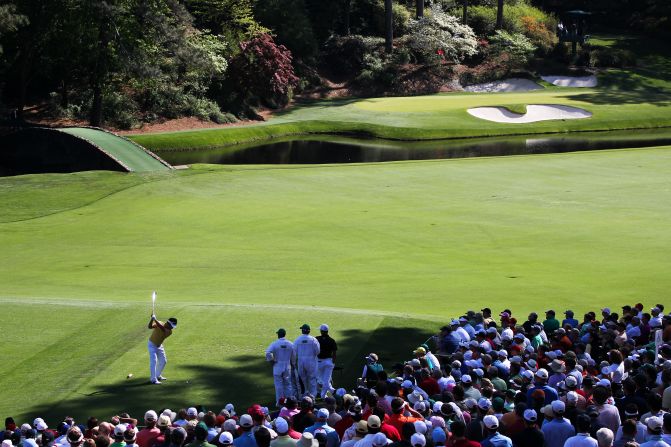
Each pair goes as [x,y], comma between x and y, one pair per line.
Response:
[382,252]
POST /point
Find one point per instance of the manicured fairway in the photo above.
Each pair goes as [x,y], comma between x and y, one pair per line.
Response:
[382,252]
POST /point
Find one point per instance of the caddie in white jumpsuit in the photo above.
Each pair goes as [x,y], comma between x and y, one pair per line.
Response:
[281,354]
[306,348]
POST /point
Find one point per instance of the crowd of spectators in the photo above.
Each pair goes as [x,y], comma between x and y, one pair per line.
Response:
[491,382]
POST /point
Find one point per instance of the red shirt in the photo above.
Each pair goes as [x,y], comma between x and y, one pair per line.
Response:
[390,431]
[430,385]
[146,436]
[343,424]
[397,420]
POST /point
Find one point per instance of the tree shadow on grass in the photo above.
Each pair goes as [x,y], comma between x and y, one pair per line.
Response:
[626,87]
[242,379]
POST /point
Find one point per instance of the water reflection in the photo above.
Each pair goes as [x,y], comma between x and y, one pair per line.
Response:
[325,149]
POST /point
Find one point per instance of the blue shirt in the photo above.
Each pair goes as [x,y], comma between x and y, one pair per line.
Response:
[572,321]
[332,438]
[245,440]
[557,432]
[654,441]
[451,343]
[497,440]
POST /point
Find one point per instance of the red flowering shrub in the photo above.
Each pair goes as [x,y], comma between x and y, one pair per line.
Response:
[263,70]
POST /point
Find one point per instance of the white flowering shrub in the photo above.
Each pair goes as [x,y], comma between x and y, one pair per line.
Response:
[439,37]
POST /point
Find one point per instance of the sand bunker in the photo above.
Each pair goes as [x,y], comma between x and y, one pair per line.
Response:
[506,85]
[534,113]
[571,81]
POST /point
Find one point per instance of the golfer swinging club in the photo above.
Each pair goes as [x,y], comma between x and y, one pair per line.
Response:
[159,332]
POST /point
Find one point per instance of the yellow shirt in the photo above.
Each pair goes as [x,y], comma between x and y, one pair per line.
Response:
[157,335]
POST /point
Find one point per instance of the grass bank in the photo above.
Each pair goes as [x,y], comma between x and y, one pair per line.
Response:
[382,252]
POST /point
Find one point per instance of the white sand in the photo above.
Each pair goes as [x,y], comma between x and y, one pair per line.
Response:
[534,113]
[506,85]
[571,81]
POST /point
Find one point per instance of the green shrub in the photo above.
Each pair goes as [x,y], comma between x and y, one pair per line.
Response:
[119,110]
[344,55]
[516,45]
[611,57]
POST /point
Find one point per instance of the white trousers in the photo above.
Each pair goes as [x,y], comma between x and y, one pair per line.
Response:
[307,371]
[324,372]
[282,378]
[157,360]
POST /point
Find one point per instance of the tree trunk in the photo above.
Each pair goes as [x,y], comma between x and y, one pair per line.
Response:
[96,117]
[499,15]
[464,18]
[420,8]
[388,26]
[348,8]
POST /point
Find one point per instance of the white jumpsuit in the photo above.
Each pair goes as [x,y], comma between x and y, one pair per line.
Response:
[281,353]
[307,349]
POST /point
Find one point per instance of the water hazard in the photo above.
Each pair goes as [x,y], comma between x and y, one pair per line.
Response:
[329,149]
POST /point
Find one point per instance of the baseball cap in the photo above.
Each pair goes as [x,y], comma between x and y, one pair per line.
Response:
[119,430]
[606,310]
[568,313]
[571,382]
[466,379]
[163,421]
[418,440]
[151,415]
[407,384]
[490,421]
[379,440]
[281,425]
[324,328]
[542,373]
[225,438]
[374,421]
[307,440]
[230,425]
[572,396]
[191,411]
[419,350]
[281,332]
[654,423]
[438,435]
[39,424]
[558,407]
[323,413]
[246,420]
[484,403]
[454,322]
[362,427]
[420,427]
[372,357]
[530,415]
[305,327]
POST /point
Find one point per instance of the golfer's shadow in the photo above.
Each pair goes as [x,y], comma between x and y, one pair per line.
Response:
[116,389]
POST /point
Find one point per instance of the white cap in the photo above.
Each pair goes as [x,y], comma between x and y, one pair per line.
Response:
[226,438]
[7,443]
[558,407]
[324,328]
[491,421]
[40,425]
[466,379]
[192,412]
[281,425]
[484,403]
[323,413]
[437,406]
[379,440]
[150,415]
[230,425]
[246,420]
[503,353]
[420,427]
[530,415]
[120,429]
[527,374]
[542,373]
[230,408]
[572,396]
[654,423]
[418,439]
